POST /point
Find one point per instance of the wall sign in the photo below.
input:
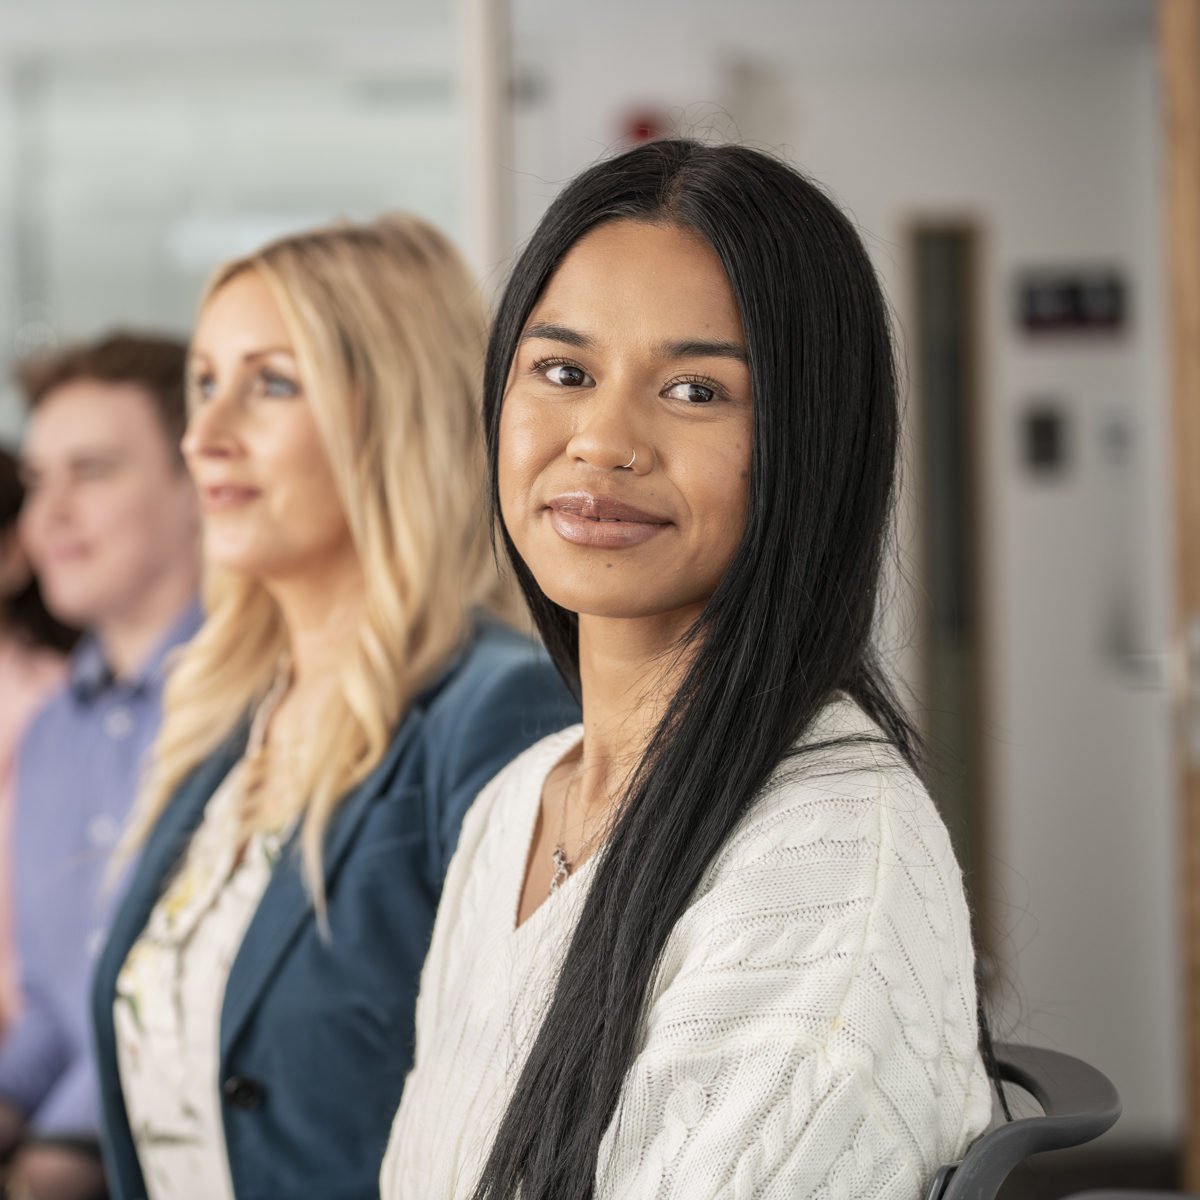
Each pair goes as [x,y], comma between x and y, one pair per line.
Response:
[1072,300]
[1045,438]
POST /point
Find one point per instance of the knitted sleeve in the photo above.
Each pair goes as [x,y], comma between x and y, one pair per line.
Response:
[812,1032]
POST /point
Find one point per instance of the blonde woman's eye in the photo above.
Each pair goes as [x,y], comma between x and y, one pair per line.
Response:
[203,386]
[568,375]
[693,393]
[279,385]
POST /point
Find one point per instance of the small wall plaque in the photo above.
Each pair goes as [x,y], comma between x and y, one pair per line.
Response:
[1044,438]
[1072,300]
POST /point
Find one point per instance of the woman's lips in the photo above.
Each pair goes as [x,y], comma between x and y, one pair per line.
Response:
[221,497]
[602,521]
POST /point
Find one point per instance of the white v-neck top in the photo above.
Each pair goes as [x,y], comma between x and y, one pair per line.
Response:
[812,1027]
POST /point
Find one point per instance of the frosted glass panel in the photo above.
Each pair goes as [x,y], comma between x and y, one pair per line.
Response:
[135,171]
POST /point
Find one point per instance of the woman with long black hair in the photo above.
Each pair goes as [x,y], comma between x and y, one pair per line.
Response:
[714,941]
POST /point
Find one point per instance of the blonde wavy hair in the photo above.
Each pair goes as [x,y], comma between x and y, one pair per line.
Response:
[389,332]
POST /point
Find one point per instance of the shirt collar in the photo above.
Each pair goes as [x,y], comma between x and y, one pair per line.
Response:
[90,674]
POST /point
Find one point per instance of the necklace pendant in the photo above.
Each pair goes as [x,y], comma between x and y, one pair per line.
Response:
[562,868]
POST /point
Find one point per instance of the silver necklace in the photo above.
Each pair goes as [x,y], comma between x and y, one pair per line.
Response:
[563,864]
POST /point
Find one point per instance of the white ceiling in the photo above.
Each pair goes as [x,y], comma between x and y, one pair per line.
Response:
[379,29]
[356,29]
[826,31]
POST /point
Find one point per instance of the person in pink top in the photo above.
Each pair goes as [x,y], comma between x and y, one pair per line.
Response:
[33,648]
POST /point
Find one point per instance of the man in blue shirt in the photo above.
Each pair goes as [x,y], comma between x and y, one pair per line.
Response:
[111,523]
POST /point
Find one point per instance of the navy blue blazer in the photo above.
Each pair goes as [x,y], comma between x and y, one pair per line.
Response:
[316,1034]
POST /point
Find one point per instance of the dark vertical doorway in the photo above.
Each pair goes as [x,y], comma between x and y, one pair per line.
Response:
[945,258]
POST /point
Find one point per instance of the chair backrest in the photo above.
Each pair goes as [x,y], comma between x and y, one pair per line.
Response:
[1130,1194]
[1078,1102]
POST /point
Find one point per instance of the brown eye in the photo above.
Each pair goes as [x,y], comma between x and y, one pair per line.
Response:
[566,375]
[693,393]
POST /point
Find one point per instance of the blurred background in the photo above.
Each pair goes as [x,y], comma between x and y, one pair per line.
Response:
[1004,161]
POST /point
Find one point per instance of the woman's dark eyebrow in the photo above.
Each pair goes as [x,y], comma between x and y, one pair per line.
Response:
[693,348]
[699,349]
[558,333]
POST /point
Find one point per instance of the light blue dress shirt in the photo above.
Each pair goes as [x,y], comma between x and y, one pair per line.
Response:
[78,771]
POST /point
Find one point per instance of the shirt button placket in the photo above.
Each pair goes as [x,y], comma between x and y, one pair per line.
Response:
[118,723]
[102,830]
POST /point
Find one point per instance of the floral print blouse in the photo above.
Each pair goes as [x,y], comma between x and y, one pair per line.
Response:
[170,992]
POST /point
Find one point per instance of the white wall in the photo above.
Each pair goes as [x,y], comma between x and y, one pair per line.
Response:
[1038,121]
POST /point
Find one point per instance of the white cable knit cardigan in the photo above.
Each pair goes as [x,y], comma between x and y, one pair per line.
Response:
[811,1030]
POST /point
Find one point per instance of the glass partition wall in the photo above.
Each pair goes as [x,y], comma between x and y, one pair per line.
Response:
[133,162]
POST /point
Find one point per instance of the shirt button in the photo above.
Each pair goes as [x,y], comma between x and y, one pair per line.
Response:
[118,724]
[102,830]
[244,1093]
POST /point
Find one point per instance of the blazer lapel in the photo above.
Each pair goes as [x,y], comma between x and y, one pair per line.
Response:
[168,841]
[286,906]
[162,850]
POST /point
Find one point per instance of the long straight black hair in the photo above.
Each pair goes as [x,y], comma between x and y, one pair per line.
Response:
[789,624]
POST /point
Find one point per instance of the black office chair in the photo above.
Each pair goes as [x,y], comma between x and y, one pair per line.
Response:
[1078,1102]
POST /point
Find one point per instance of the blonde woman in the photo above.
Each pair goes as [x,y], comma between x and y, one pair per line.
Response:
[325,731]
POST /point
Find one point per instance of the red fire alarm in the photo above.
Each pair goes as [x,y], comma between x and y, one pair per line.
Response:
[644,125]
